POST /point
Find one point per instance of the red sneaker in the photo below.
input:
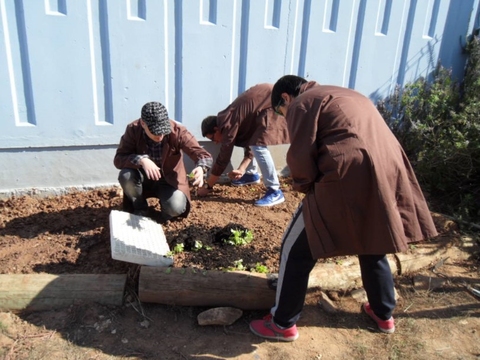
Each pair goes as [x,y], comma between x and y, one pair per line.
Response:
[386,326]
[267,329]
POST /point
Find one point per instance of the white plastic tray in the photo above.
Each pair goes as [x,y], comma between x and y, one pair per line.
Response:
[138,240]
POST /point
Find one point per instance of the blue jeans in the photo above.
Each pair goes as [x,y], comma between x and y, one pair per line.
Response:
[264,160]
[137,188]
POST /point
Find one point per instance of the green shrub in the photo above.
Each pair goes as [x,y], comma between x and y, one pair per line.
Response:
[437,121]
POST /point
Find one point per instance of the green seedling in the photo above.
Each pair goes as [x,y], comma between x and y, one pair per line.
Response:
[197,245]
[238,265]
[239,237]
[177,249]
[259,268]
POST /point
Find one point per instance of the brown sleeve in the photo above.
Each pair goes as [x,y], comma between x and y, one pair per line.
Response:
[302,153]
[191,147]
[128,150]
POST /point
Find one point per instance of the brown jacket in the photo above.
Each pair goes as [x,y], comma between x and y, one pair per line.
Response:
[362,196]
[173,169]
[249,120]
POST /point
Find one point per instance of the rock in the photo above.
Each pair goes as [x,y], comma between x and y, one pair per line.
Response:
[333,295]
[219,316]
[327,304]
[359,295]
[145,324]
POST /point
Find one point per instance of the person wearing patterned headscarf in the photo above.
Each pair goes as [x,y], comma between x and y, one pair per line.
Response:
[150,159]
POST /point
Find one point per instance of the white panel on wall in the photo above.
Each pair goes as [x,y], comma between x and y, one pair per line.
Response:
[264,34]
[137,57]
[207,41]
[327,39]
[377,52]
[422,39]
[79,75]
[52,95]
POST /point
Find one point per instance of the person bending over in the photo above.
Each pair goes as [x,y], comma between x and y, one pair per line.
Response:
[361,198]
[249,122]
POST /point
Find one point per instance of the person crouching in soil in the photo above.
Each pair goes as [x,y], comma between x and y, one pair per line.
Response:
[361,198]
[150,159]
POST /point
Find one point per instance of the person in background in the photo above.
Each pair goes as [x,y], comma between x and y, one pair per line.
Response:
[249,122]
[361,198]
[150,159]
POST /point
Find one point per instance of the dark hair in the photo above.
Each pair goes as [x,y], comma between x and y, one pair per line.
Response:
[289,84]
[208,125]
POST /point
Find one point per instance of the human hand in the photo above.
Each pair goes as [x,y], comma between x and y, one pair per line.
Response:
[197,175]
[235,174]
[151,169]
[203,191]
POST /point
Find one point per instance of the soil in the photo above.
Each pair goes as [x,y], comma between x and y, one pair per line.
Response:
[70,234]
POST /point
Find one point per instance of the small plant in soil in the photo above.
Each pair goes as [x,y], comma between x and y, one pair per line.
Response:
[240,237]
[177,249]
[234,234]
[237,266]
[198,245]
[260,268]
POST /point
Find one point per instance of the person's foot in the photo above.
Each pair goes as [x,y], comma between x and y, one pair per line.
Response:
[247,179]
[385,326]
[267,329]
[271,197]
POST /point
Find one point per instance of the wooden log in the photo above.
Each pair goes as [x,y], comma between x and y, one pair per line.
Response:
[244,290]
[248,291]
[45,291]
[428,254]
[193,287]
[341,275]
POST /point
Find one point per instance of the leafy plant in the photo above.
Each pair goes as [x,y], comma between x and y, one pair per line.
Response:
[259,268]
[177,249]
[437,121]
[198,245]
[239,237]
[237,266]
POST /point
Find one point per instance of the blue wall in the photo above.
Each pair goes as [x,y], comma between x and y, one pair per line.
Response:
[73,73]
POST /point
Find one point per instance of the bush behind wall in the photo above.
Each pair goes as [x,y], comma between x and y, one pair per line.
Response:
[437,121]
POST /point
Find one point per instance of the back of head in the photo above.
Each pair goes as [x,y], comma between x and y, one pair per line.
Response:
[155,116]
[208,125]
[289,84]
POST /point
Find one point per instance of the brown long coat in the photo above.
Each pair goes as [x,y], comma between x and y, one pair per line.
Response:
[362,196]
[173,170]
[249,120]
